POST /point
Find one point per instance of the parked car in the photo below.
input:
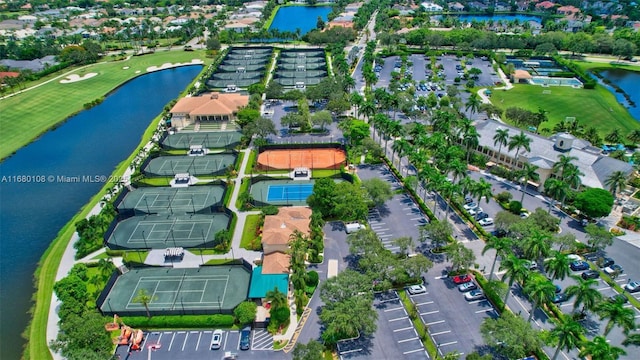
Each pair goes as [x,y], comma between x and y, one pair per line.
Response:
[474,295]
[590,274]
[468,199]
[245,338]
[499,233]
[475,211]
[574,257]
[633,286]
[481,215]
[531,265]
[470,206]
[467,286]
[558,288]
[579,265]
[613,269]
[486,222]
[560,297]
[216,341]
[417,289]
[524,215]
[461,279]
[605,262]
[621,298]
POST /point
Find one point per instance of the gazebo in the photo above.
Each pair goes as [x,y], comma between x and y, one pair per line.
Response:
[520,76]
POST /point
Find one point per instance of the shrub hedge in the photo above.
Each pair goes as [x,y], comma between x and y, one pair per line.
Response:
[180,321]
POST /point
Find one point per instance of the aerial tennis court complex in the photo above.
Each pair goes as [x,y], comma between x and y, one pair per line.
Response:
[204,290]
[208,139]
[162,231]
[167,200]
[312,158]
[282,192]
[241,67]
[216,164]
[301,67]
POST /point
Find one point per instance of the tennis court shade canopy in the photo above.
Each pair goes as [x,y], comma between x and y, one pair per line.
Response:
[263,283]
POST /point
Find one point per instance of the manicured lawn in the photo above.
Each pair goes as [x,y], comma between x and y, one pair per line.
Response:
[249,239]
[597,107]
[27,115]
[323,173]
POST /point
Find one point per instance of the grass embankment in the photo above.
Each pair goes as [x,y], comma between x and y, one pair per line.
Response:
[27,115]
[45,274]
[598,107]
[250,239]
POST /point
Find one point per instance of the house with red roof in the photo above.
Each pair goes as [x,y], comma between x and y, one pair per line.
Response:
[545,5]
[567,10]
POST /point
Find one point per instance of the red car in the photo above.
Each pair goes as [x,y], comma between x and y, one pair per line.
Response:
[461,279]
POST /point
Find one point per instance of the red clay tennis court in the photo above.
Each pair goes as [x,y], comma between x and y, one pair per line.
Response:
[293,158]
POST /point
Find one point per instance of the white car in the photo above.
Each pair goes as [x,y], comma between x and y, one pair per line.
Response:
[216,340]
[416,289]
[531,265]
[613,269]
[467,286]
[474,212]
[470,206]
[574,257]
[474,295]
[486,221]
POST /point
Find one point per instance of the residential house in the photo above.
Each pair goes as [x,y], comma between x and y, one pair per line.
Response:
[431,7]
[545,5]
[211,107]
[277,229]
[545,152]
[567,10]
[456,6]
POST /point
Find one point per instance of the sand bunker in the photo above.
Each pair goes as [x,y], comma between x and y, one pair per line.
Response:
[170,65]
[75,77]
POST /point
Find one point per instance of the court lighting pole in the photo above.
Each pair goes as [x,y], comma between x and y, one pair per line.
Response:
[144,238]
[147,202]
[174,239]
[193,205]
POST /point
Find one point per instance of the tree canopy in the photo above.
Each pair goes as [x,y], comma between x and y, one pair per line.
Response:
[594,202]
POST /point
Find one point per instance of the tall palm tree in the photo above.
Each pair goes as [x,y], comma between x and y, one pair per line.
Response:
[402,147]
[537,245]
[568,334]
[500,138]
[557,266]
[561,165]
[600,349]
[473,103]
[394,130]
[470,139]
[557,189]
[585,293]
[356,100]
[540,290]
[502,246]
[634,136]
[519,142]
[276,298]
[381,124]
[616,182]
[571,176]
[515,270]
[457,169]
[632,339]
[482,189]
[143,297]
[368,109]
[528,172]
[616,314]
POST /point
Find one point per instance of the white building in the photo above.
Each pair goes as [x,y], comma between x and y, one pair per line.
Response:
[431,7]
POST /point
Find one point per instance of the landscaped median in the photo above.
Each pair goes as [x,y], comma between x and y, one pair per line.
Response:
[421,328]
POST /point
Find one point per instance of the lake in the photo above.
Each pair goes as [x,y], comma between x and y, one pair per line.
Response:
[629,81]
[495,18]
[36,203]
[290,18]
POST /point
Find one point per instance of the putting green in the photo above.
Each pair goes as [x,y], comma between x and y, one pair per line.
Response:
[597,107]
[27,115]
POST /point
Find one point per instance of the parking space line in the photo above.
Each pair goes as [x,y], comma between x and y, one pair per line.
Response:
[425,303]
[350,351]
[604,288]
[398,308]
[403,329]
[171,343]
[566,304]
[449,343]
[400,318]
[412,351]
[435,322]
[198,343]
[406,340]
[441,332]
[185,341]
[476,301]
[484,310]
[418,218]
[430,312]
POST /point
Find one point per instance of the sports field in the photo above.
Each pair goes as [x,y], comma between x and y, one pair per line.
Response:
[329,158]
[179,291]
[289,192]
[282,192]
[213,165]
[161,231]
[53,102]
[210,140]
[167,200]
[597,107]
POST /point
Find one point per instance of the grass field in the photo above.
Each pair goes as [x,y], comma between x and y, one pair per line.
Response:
[598,107]
[249,239]
[27,115]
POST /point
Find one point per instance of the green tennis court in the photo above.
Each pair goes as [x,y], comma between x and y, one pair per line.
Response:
[210,140]
[160,231]
[179,291]
[273,191]
[194,165]
[167,200]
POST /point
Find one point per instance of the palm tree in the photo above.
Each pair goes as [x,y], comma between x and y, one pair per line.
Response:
[276,298]
[540,290]
[145,299]
[634,136]
[558,266]
[368,109]
[502,246]
[519,142]
[585,292]
[394,129]
[501,138]
[537,245]
[515,270]
[561,165]
[471,140]
[616,182]
[557,189]
[599,349]
[572,176]
[482,189]
[457,168]
[568,334]
[632,339]
[473,103]
[614,136]
[617,315]
[528,172]
[402,147]
[356,100]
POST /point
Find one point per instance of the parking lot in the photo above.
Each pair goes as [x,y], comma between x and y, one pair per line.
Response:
[398,217]
[196,344]
[454,323]
[395,337]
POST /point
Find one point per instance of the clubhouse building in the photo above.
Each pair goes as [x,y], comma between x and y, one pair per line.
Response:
[220,108]
[545,152]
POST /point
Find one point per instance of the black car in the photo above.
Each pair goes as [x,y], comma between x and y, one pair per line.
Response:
[499,233]
[590,274]
[621,298]
[481,215]
[245,338]
[579,265]
[605,262]
[560,297]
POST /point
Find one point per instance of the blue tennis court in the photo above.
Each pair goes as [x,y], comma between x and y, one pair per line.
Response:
[294,192]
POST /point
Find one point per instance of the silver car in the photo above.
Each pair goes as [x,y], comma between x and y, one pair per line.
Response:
[474,295]
[416,289]
[467,286]
[216,340]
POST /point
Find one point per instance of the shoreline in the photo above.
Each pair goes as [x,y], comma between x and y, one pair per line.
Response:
[51,261]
